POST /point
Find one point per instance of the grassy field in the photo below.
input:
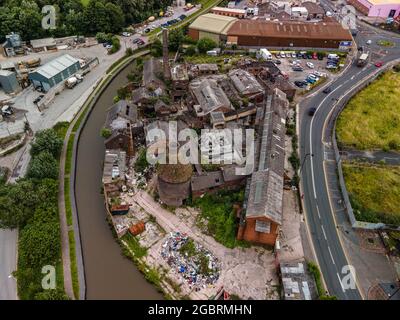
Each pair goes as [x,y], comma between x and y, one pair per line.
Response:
[374,192]
[371,120]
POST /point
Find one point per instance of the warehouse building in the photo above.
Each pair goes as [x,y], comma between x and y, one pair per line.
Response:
[54,72]
[377,8]
[256,33]
[211,26]
[8,81]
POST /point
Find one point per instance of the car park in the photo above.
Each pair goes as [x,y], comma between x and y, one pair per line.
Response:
[310,65]
[312,111]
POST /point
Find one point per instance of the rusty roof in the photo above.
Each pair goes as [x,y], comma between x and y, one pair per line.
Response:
[290,29]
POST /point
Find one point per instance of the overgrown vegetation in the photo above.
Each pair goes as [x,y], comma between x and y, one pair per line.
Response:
[218,214]
[141,163]
[371,120]
[314,270]
[374,192]
[31,204]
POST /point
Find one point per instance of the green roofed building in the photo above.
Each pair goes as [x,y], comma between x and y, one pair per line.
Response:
[54,72]
[211,26]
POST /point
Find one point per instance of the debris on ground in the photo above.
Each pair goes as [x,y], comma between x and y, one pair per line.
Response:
[198,267]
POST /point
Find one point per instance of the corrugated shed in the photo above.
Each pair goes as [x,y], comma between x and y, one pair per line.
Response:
[213,23]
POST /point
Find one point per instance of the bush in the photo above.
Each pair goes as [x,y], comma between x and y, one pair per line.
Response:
[191,50]
[105,133]
[47,140]
[55,294]
[206,44]
[156,48]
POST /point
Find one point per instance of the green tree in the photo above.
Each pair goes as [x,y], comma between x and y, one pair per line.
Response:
[206,44]
[175,39]
[43,166]
[47,140]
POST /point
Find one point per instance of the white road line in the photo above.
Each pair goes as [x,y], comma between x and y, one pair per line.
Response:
[330,253]
[323,231]
[318,212]
[340,281]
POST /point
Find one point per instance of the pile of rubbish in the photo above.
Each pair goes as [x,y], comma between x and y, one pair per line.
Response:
[198,266]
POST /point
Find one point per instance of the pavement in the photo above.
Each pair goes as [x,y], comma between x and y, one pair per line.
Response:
[391,158]
[328,225]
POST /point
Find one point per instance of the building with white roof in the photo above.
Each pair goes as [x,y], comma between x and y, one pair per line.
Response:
[54,72]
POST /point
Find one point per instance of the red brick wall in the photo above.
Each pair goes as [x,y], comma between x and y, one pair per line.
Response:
[250,234]
[194,34]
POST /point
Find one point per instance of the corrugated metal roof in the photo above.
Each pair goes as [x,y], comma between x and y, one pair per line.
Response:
[46,42]
[56,66]
[289,29]
[213,23]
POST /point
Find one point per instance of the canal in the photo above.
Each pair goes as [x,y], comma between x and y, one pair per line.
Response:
[109,275]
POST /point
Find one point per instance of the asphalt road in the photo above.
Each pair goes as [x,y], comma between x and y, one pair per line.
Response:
[8,248]
[320,219]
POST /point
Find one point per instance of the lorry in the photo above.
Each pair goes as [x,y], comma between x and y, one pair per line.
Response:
[363,59]
[264,54]
[71,82]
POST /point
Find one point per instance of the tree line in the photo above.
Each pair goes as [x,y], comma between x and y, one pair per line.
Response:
[31,205]
[73,17]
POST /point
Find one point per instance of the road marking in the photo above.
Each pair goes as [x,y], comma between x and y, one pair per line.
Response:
[330,253]
[323,231]
[318,212]
[340,281]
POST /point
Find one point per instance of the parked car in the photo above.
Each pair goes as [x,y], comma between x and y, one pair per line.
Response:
[327,90]
[297,68]
[147,30]
[36,101]
[310,65]
[164,25]
[288,55]
[369,42]
[126,34]
[300,84]
[282,54]
[309,56]
[379,64]
[136,40]
[294,55]
[312,111]
[277,61]
[183,16]
[314,56]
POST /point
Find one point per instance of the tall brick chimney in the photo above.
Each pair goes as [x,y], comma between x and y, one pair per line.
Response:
[167,70]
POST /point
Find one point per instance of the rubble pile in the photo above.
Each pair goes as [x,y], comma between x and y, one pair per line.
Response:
[192,261]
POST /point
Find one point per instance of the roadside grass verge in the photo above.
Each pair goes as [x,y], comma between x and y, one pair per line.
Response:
[371,120]
[314,270]
[374,191]
[74,267]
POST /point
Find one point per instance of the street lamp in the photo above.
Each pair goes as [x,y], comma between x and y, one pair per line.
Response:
[304,160]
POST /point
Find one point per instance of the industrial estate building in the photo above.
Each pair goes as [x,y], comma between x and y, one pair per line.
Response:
[54,72]
[211,26]
[377,8]
[9,82]
[261,33]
